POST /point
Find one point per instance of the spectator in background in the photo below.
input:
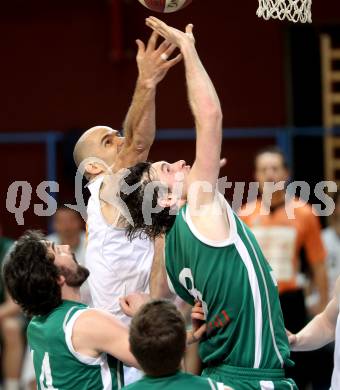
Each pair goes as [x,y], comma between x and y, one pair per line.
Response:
[68,229]
[331,239]
[282,241]
[11,326]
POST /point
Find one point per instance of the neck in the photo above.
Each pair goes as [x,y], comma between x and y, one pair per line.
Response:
[276,199]
[70,293]
[154,375]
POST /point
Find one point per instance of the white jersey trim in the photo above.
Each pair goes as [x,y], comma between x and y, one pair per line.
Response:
[267,385]
[211,383]
[68,329]
[89,360]
[217,244]
[255,289]
[267,298]
[94,188]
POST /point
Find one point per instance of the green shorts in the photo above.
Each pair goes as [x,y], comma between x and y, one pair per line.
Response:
[240,378]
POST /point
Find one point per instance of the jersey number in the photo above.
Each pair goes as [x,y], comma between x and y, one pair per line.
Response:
[46,375]
[187,281]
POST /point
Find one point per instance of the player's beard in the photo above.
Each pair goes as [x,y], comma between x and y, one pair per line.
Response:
[75,278]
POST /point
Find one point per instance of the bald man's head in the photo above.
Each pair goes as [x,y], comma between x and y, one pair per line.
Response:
[99,142]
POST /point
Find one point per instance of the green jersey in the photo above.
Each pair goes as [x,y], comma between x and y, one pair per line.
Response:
[179,381]
[57,365]
[238,292]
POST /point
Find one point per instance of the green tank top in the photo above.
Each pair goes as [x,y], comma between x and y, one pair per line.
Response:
[179,381]
[239,293]
[57,365]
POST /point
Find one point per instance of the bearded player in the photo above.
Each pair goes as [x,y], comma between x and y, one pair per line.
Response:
[69,342]
[210,255]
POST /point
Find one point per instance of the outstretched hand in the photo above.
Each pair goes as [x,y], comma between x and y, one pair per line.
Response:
[171,34]
[152,61]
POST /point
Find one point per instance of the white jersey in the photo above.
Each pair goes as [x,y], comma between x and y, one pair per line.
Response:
[117,266]
[332,244]
[336,371]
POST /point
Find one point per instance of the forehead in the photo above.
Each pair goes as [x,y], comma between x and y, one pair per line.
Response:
[157,168]
[157,165]
[269,159]
[50,245]
[66,213]
[98,132]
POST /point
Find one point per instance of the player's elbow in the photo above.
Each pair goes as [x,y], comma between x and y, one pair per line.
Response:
[212,113]
[142,143]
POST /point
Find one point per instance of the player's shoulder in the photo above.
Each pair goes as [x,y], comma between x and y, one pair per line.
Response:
[89,319]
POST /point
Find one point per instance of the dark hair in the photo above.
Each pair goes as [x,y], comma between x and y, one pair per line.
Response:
[273,149]
[158,338]
[161,222]
[31,276]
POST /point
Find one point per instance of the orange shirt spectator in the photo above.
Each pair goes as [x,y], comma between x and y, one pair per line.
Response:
[282,239]
[283,227]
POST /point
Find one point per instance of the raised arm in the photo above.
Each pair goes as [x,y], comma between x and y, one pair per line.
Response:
[158,278]
[140,122]
[204,104]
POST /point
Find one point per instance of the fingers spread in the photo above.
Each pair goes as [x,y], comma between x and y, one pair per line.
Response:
[157,25]
[174,61]
[152,41]
[141,46]
[163,47]
[170,49]
[189,28]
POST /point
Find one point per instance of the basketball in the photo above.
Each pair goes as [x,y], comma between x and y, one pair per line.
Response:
[165,6]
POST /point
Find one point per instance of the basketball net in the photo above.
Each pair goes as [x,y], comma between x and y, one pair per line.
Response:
[293,10]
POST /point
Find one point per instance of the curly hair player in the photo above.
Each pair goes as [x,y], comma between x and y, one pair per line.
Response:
[210,255]
[69,341]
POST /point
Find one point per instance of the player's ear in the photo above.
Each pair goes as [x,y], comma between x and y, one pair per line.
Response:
[61,280]
[93,168]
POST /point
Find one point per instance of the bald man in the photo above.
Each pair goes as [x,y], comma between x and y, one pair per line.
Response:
[117,266]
